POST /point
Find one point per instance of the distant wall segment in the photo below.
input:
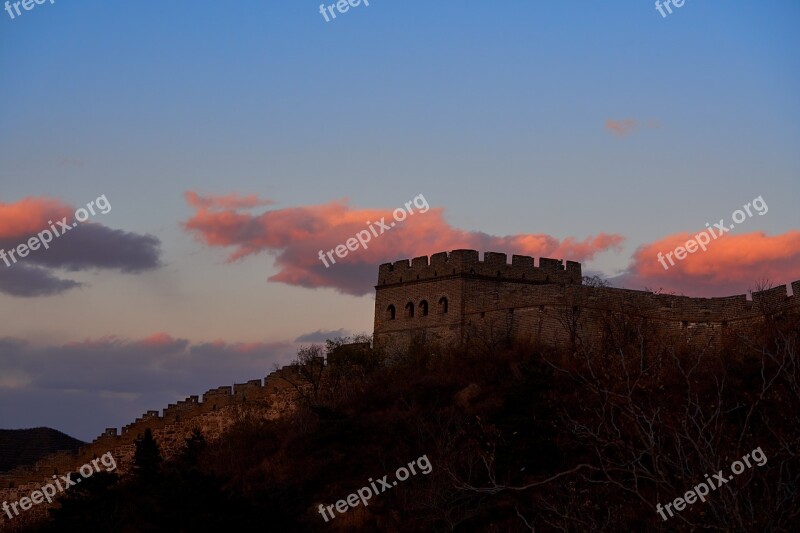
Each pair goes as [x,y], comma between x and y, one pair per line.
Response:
[269,398]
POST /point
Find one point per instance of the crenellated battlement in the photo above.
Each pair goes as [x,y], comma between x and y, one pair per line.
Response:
[455,296]
[175,410]
[176,415]
[218,411]
[467,262]
[213,399]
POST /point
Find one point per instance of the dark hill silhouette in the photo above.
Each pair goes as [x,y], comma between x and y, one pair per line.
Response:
[26,446]
[590,438]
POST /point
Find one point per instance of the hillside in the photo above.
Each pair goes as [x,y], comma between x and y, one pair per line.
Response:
[591,439]
[25,446]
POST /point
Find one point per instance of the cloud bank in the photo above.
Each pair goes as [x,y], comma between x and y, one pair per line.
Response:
[296,235]
[320,336]
[730,264]
[83,387]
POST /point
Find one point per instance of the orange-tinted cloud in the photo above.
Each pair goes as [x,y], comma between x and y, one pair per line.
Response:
[30,215]
[298,234]
[620,128]
[158,339]
[624,127]
[87,246]
[229,201]
[731,263]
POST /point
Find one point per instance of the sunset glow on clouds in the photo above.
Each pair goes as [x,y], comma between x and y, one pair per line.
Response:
[298,234]
[624,127]
[620,128]
[230,201]
[88,246]
[731,263]
[134,375]
[29,216]
[233,150]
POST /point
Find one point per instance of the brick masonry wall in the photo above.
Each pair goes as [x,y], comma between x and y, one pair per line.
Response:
[447,275]
[491,299]
[467,262]
[218,411]
[437,324]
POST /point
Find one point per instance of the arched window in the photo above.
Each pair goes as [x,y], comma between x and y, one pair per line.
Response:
[442,305]
[409,310]
[390,313]
[423,308]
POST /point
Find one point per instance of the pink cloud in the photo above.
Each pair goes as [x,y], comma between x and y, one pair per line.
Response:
[621,128]
[730,264]
[229,201]
[158,339]
[624,127]
[19,220]
[297,235]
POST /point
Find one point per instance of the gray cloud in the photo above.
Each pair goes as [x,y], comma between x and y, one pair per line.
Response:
[86,247]
[80,388]
[29,281]
[322,335]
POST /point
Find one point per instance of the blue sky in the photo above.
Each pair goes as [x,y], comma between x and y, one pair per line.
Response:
[496,112]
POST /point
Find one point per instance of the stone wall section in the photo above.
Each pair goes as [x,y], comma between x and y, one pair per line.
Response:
[270,399]
[490,299]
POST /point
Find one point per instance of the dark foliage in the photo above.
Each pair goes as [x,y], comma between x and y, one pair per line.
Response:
[147,457]
[589,439]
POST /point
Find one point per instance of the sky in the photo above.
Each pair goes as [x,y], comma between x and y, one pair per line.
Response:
[221,146]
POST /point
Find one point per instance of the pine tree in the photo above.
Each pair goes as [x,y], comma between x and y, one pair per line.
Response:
[147,457]
[195,444]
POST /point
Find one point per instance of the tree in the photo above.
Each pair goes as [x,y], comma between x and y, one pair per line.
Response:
[307,371]
[331,345]
[195,445]
[595,281]
[147,457]
[642,418]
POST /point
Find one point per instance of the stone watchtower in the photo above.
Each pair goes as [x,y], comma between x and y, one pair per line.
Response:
[458,299]
[442,299]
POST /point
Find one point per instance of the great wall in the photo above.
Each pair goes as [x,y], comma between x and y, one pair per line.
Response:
[220,408]
[454,297]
